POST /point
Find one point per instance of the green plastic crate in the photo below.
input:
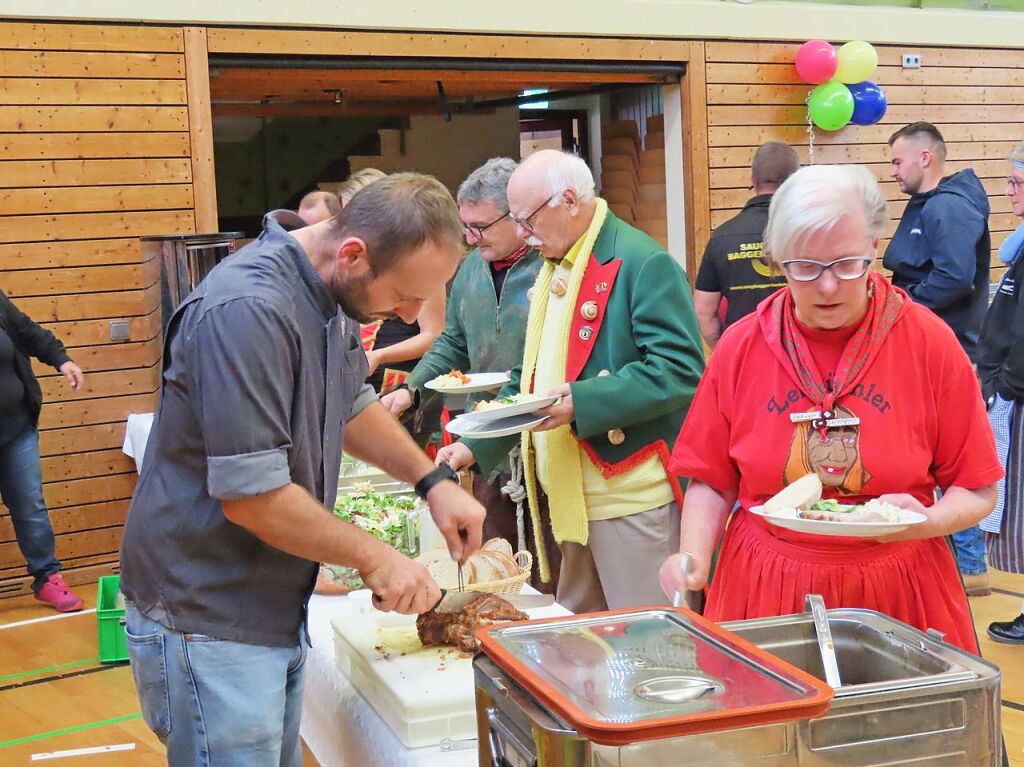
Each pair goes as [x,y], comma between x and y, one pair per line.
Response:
[110,620]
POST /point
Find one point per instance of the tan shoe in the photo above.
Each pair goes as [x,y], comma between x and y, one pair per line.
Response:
[976,584]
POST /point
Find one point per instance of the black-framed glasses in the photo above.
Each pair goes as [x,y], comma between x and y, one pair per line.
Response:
[1014,184]
[478,230]
[850,268]
[525,221]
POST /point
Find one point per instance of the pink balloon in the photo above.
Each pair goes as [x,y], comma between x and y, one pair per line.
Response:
[816,62]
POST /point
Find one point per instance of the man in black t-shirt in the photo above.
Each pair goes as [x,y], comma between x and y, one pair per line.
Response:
[732,268]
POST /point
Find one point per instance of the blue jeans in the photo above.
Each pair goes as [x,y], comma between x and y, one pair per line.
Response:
[216,703]
[970,550]
[21,487]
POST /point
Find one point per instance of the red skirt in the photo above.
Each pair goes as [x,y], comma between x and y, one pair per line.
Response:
[765,571]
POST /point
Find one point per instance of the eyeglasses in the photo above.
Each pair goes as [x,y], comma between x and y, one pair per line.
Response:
[525,222]
[1014,184]
[478,230]
[803,270]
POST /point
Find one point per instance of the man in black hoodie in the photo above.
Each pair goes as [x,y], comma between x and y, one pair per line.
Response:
[941,249]
[940,255]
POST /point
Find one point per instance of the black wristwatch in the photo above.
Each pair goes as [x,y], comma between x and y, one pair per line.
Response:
[415,396]
[441,473]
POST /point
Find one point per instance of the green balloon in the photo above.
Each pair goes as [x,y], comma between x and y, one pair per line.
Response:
[830,105]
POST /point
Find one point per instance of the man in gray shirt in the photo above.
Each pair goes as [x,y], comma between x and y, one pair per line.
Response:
[263,383]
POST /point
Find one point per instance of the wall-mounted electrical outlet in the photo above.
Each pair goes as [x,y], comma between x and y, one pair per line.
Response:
[120,331]
[911,60]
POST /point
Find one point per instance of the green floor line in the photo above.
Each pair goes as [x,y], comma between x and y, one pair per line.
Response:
[48,669]
[69,730]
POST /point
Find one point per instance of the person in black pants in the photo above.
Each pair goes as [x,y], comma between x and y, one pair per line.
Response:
[21,485]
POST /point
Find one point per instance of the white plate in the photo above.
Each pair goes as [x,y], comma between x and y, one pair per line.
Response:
[468,427]
[530,404]
[477,382]
[844,529]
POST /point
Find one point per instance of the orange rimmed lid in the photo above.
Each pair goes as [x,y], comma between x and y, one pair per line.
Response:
[642,674]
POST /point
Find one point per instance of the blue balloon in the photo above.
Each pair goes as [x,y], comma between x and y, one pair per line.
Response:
[868,103]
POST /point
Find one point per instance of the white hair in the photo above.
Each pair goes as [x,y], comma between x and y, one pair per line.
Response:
[814,199]
[567,171]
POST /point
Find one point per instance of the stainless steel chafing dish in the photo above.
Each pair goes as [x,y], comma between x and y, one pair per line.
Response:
[906,698]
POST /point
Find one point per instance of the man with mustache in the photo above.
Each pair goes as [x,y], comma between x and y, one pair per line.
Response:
[611,331]
[263,383]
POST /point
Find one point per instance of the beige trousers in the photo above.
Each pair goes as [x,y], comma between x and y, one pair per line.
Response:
[618,568]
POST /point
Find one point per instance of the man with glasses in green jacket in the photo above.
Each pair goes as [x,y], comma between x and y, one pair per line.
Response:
[486,318]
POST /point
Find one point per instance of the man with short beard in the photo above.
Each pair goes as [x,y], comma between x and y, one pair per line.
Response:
[263,384]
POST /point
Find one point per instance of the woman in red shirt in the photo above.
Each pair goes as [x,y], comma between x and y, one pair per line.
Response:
[840,341]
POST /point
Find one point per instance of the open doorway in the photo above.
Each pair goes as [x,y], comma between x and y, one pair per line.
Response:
[287,125]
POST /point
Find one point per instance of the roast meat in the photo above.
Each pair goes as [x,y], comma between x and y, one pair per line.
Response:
[435,628]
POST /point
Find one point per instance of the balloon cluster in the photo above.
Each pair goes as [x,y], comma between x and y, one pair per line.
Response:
[843,94]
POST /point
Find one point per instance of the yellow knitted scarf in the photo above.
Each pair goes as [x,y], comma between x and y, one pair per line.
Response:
[565,492]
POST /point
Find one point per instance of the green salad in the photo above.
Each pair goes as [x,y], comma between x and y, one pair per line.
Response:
[385,516]
[830,504]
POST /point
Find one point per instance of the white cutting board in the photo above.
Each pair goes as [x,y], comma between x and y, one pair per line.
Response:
[425,694]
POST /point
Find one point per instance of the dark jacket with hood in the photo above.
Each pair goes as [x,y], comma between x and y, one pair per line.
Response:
[1001,348]
[940,253]
[30,340]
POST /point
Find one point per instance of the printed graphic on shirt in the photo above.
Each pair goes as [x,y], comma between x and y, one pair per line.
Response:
[750,253]
[834,456]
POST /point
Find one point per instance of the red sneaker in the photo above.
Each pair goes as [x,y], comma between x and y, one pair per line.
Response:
[56,593]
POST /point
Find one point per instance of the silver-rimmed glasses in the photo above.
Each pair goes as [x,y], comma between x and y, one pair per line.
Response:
[525,221]
[805,270]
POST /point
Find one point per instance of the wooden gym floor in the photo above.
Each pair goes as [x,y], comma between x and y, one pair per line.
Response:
[56,696]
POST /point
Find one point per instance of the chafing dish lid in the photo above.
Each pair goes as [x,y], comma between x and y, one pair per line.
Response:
[623,676]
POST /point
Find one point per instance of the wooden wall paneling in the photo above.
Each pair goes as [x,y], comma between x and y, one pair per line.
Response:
[94,199]
[34,173]
[38,90]
[95,463]
[119,356]
[72,518]
[695,145]
[96,145]
[17,119]
[80,439]
[89,37]
[115,304]
[200,118]
[95,279]
[92,65]
[59,146]
[68,226]
[109,384]
[105,410]
[340,43]
[974,96]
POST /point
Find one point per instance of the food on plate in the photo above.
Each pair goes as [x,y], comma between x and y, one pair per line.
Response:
[494,561]
[802,500]
[484,405]
[458,629]
[452,380]
[797,495]
[833,511]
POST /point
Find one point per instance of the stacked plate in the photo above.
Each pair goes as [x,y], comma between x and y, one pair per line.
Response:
[503,420]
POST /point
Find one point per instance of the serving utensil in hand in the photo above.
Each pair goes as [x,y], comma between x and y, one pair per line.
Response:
[816,605]
[680,599]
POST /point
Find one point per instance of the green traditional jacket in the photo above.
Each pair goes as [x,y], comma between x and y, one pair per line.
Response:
[634,358]
[481,334]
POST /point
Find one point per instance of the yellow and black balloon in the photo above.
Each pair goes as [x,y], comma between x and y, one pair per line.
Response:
[843,94]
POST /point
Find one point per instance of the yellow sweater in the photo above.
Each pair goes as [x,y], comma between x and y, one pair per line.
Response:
[643,487]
